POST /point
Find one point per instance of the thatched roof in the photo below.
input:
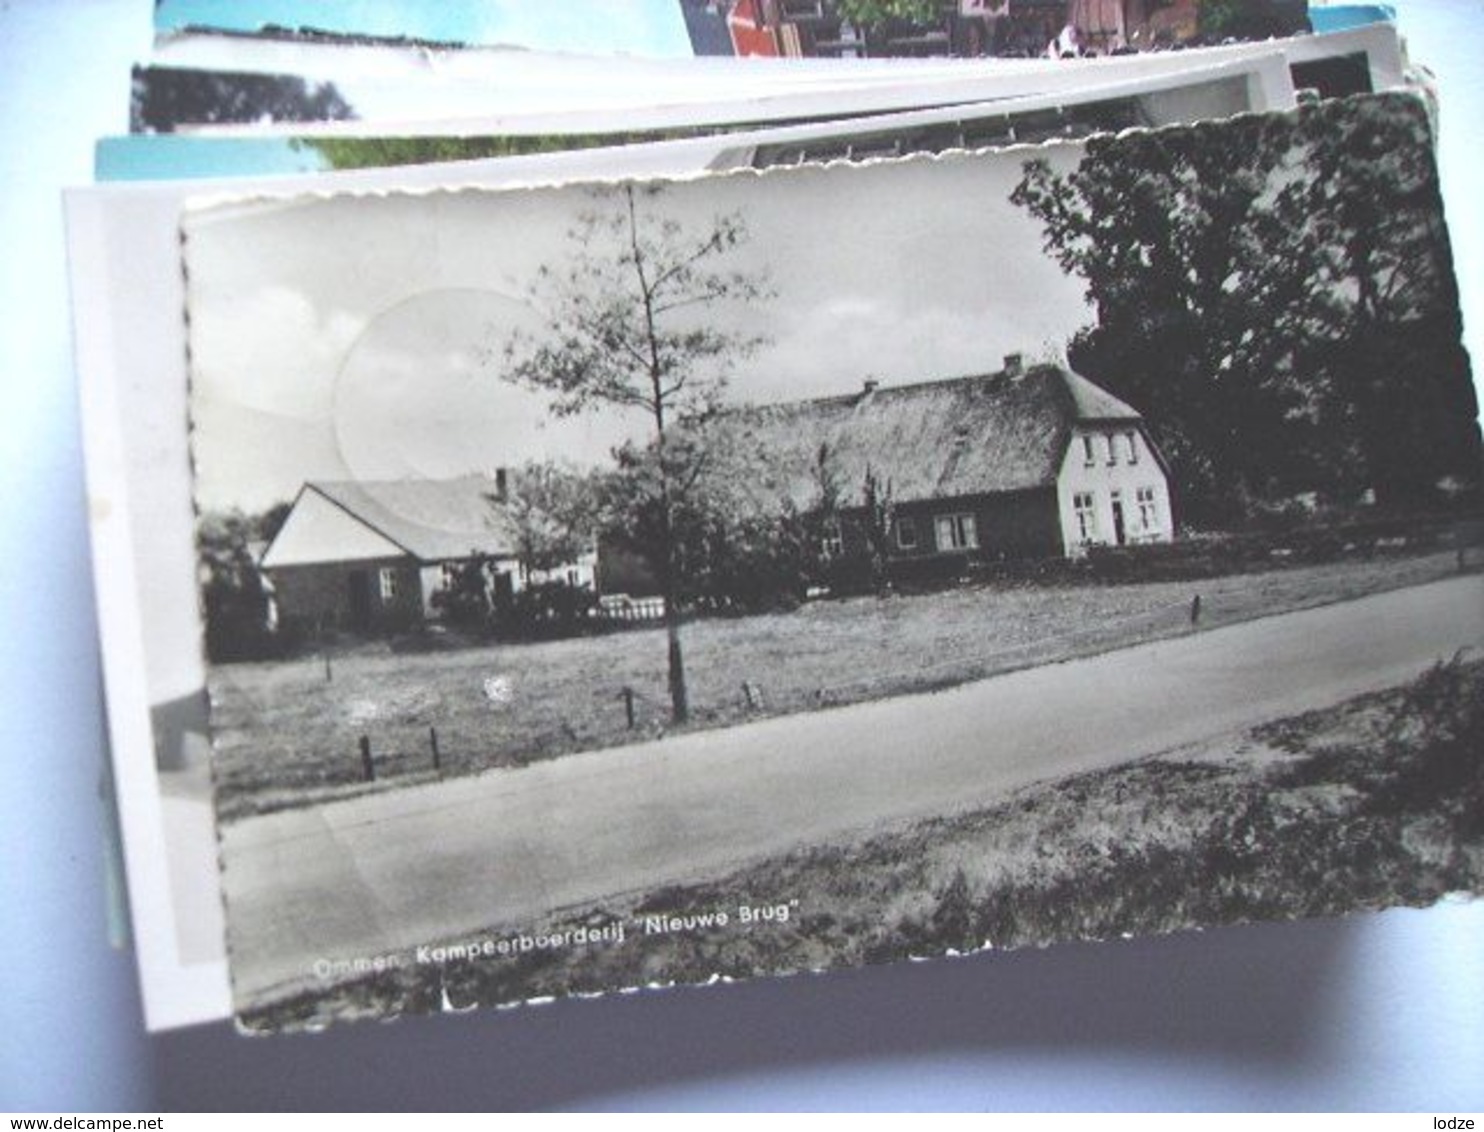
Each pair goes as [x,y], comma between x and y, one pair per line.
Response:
[933,440]
[433,520]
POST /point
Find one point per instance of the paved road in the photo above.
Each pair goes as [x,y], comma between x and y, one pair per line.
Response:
[390,871]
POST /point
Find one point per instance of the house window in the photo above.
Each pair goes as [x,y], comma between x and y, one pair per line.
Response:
[831,544]
[957,532]
[1087,516]
[1112,449]
[1087,455]
[389,583]
[1133,447]
[1148,508]
[906,534]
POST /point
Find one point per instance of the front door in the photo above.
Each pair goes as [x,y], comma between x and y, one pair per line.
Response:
[1118,528]
[504,590]
[360,599]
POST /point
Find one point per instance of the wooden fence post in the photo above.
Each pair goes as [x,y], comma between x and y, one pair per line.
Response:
[1195,610]
[628,705]
[433,742]
[366,764]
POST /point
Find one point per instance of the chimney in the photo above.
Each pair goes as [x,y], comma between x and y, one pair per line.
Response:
[870,386]
[502,484]
[1014,365]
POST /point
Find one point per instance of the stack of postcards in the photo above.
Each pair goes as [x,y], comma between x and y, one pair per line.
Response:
[605,495]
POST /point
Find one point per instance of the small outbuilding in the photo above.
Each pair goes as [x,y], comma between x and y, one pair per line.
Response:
[369,556]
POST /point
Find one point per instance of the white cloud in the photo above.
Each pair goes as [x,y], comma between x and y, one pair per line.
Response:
[420,394]
[271,351]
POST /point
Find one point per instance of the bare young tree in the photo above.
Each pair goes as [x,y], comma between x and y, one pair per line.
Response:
[625,326]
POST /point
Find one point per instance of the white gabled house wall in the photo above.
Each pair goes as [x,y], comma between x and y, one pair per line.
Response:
[1111,482]
[318,531]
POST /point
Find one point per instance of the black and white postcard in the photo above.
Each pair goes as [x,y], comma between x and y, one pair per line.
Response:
[128,292]
[637,583]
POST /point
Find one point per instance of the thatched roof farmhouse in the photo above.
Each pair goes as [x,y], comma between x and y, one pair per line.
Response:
[1025,462]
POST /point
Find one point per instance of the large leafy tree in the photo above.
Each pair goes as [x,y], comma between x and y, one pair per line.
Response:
[1274,293]
[234,598]
[554,512]
[738,543]
[1388,353]
[629,324]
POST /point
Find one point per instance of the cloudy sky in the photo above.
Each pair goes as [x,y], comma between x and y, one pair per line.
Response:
[360,337]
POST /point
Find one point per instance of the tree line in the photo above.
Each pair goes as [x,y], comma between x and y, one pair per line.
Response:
[1275,294]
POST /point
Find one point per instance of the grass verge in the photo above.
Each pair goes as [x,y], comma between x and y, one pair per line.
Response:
[286,736]
[1378,801]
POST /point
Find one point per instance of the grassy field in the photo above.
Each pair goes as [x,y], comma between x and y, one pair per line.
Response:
[286,736]
[1375,802]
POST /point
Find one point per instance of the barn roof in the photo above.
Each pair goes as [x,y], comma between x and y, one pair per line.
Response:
[433,520]
[932,440]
